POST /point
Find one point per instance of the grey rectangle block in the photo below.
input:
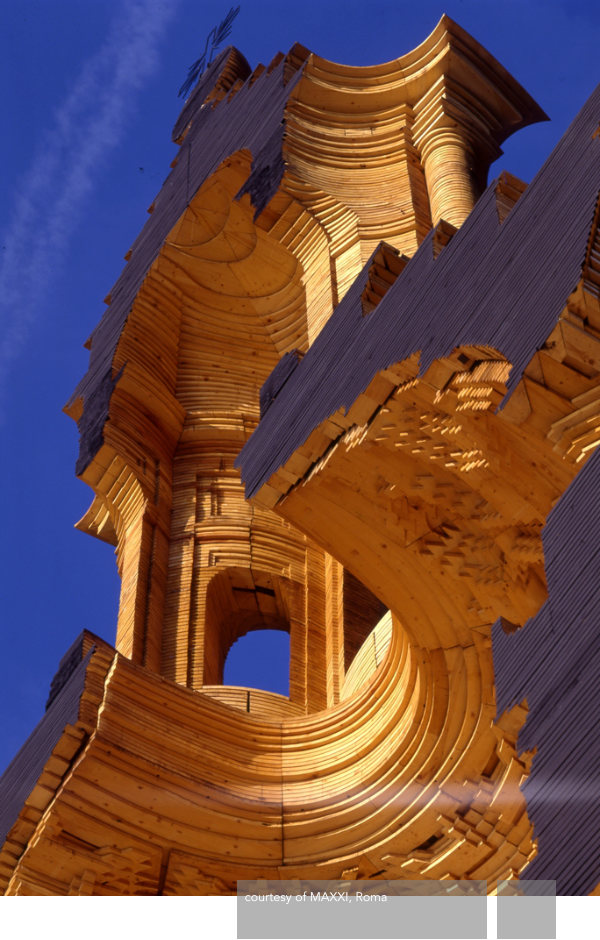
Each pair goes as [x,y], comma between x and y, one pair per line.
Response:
[526,910]
[351,910]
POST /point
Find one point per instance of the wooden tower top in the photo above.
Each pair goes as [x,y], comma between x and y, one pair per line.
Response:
[323,237]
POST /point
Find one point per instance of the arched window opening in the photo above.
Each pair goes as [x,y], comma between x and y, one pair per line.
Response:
[260,660]
[241,601]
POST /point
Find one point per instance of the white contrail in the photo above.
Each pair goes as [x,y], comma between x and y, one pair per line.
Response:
[51,197]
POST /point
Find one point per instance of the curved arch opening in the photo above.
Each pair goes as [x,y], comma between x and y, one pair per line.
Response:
[242,601]
[260,660]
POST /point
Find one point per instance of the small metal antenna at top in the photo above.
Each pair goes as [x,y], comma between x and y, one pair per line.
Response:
[215,38]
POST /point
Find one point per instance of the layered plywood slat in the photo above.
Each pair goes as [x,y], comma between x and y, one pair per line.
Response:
[172,771]
[301,189]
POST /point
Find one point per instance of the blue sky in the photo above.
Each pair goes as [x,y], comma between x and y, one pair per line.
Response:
[90,96]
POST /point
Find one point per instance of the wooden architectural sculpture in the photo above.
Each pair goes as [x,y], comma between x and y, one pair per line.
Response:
[423,354]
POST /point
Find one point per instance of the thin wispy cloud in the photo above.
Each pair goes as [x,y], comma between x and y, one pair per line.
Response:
[52,195]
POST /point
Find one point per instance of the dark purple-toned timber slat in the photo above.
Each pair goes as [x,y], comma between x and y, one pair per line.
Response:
[22,774]
[501,286]
[554,662]
[498,285]
[251,120]
[278,378]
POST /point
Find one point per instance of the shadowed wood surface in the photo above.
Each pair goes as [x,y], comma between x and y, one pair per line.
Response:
[398,508]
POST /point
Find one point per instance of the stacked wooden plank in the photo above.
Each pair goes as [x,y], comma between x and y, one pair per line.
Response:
[466,403]
[179,792]
[285,227]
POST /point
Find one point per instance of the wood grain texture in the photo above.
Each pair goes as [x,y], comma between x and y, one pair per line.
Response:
[466,404]
[395,516]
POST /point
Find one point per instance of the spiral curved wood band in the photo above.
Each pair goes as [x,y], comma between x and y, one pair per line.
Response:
[429,368]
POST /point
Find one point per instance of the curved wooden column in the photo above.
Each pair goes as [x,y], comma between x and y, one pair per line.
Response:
[448,163]
[388,783]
